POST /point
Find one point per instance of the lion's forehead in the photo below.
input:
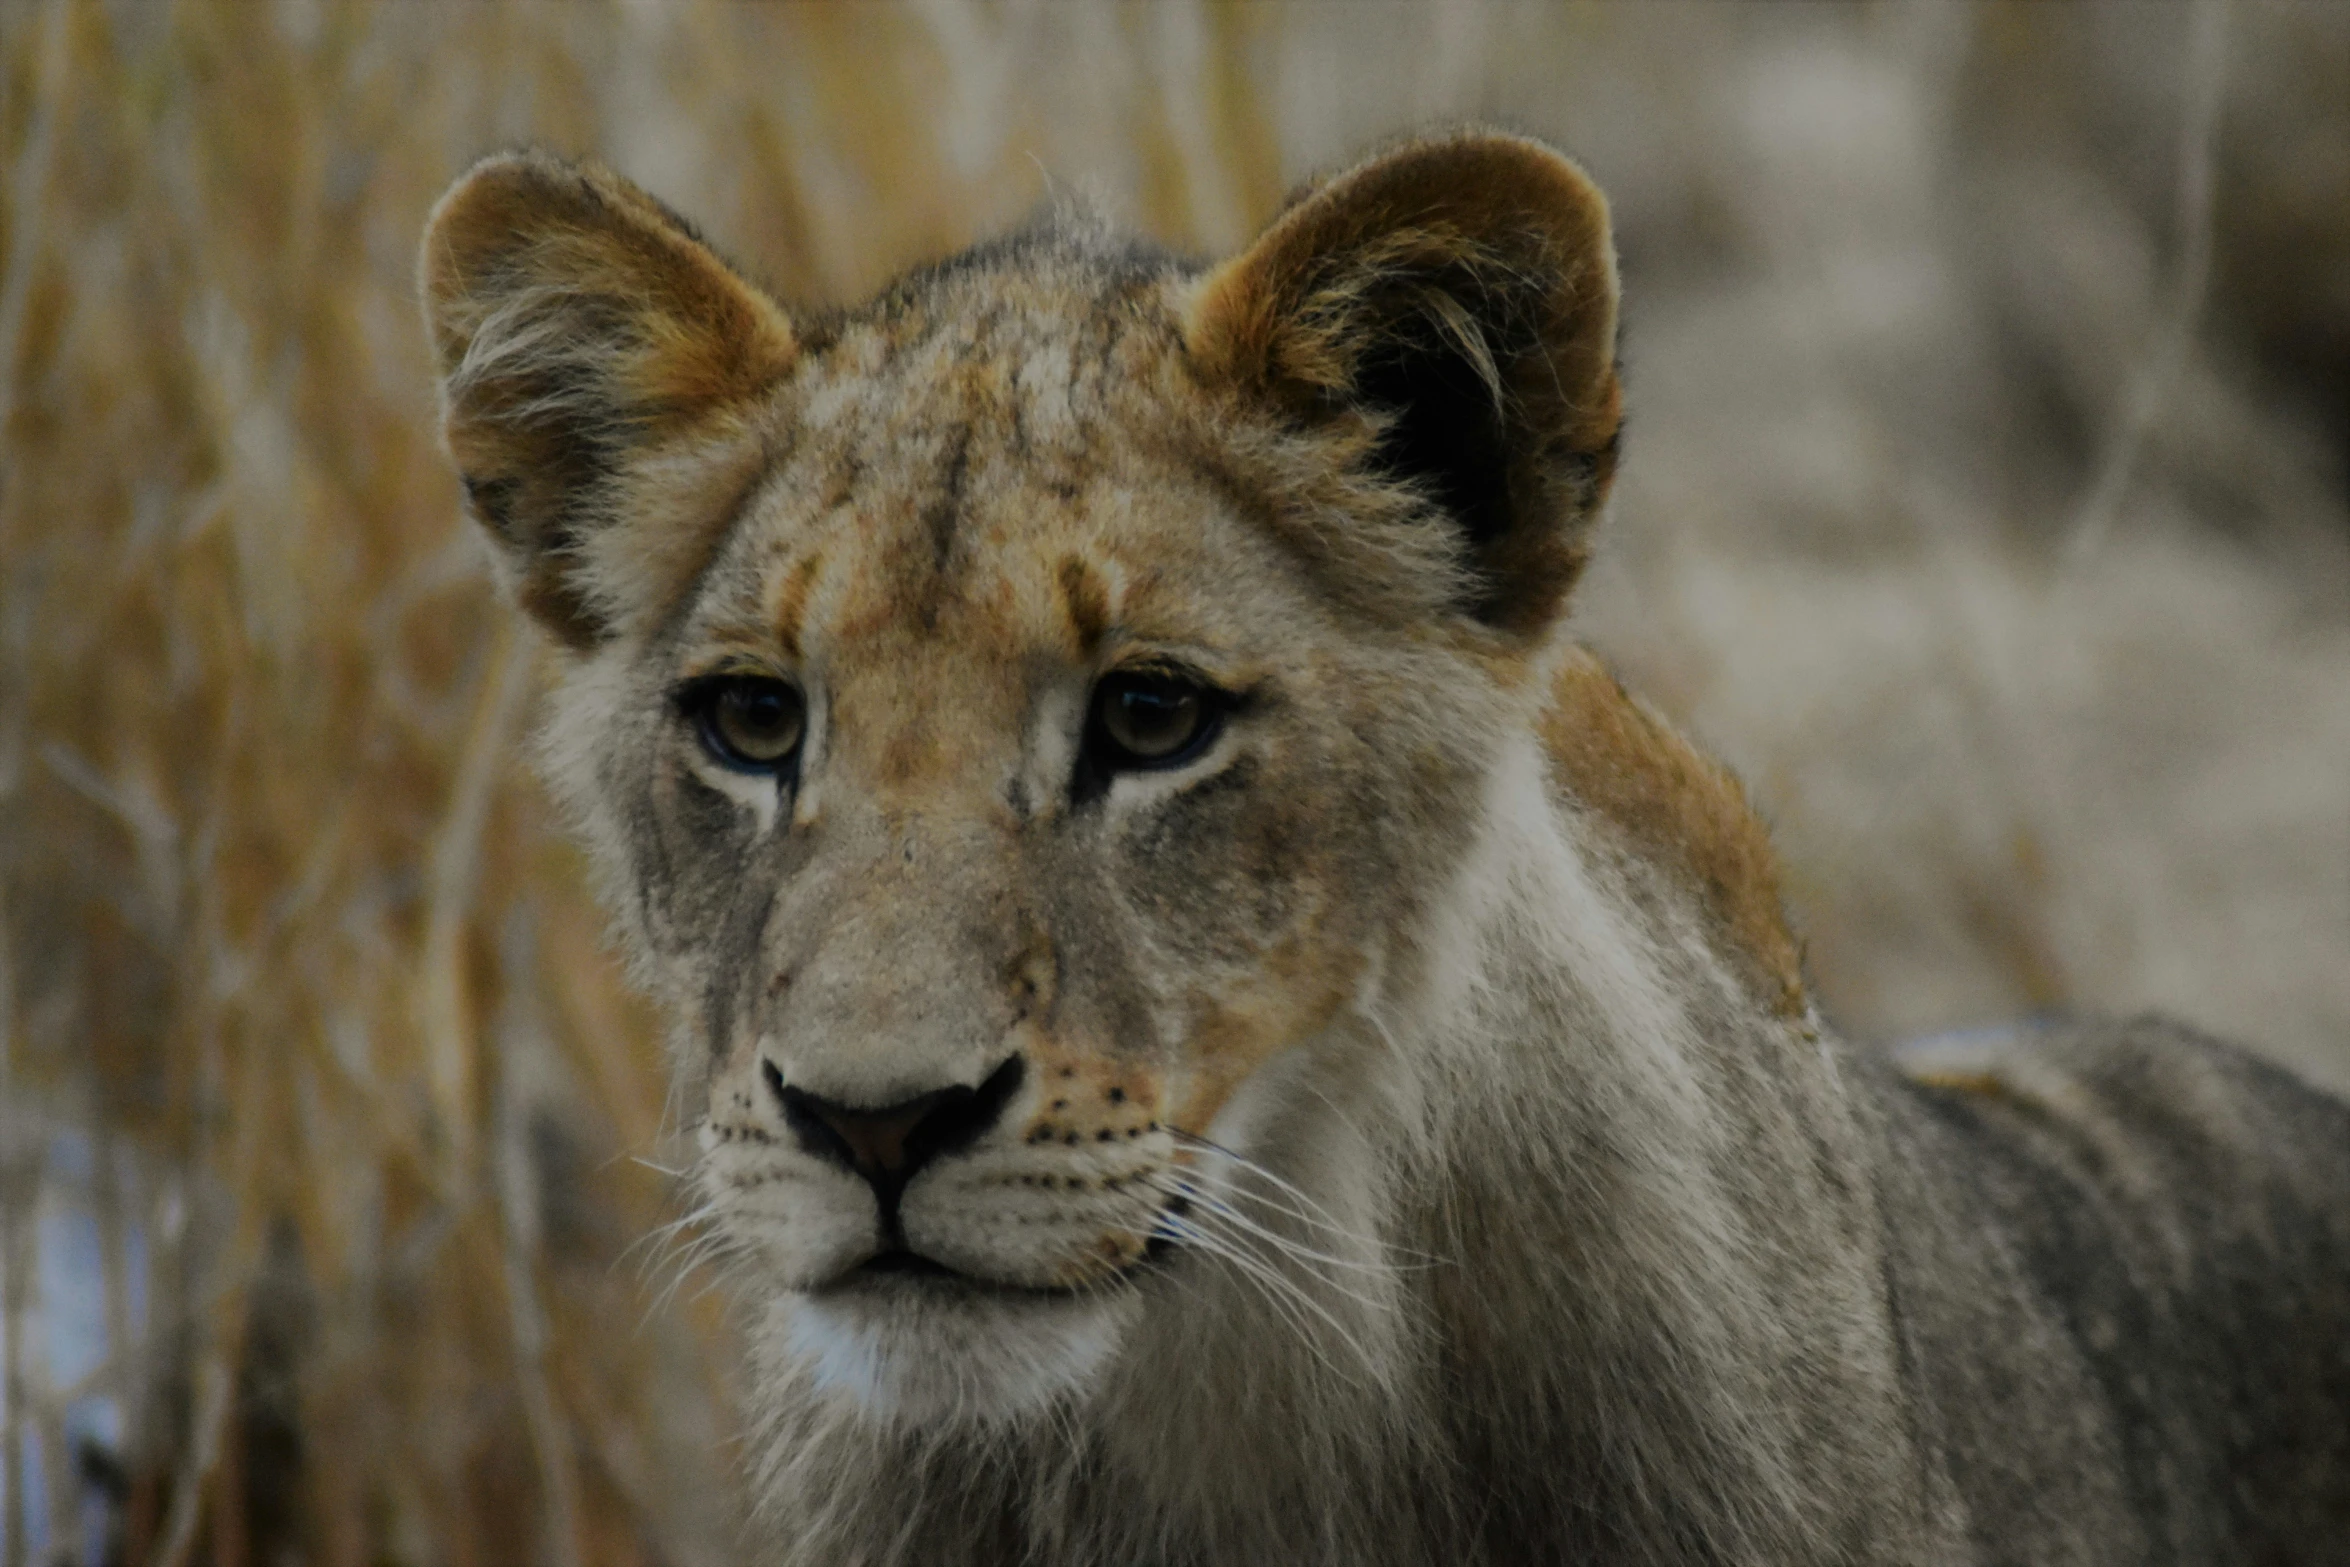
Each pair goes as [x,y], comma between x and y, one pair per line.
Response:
[947,522]
[1036,366]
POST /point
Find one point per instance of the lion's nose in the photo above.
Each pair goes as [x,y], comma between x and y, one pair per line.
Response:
[889,1144]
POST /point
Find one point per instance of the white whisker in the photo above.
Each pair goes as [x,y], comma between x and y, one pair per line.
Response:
[1216,1234]
[1303,1207]
[1279,1291]
[1287,1244]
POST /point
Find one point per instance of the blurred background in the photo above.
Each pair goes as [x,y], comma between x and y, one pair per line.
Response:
[1984,503]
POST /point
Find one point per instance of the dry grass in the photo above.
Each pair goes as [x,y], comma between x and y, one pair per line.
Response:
[322,1111]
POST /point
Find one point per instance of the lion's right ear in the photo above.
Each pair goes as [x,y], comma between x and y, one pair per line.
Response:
[1454,298]
[599,370]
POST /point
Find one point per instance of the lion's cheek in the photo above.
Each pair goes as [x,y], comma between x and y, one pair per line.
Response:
[1302,985]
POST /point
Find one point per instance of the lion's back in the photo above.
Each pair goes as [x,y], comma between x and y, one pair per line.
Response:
[2161,1224]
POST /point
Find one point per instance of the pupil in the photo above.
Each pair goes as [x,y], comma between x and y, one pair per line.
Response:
[759,709]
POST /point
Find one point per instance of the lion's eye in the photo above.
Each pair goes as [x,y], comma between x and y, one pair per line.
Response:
[1147,719]
[748,721]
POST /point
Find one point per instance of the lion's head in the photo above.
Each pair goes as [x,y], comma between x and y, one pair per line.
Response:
[1022,723]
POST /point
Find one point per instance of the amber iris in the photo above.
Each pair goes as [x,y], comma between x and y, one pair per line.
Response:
[750,721]
[1152,719]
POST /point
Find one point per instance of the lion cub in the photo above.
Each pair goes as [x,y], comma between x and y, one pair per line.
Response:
[1217,1034]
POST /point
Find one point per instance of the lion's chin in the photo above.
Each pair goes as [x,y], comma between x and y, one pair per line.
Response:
[919,1350]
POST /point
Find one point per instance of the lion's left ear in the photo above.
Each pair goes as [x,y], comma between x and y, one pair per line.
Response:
[1459,293]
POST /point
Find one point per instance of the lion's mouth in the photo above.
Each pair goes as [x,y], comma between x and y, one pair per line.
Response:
[898,1270]
[903,1262]
[901,1270]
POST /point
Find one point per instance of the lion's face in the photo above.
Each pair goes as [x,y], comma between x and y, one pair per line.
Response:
[1010,718]
[996,803]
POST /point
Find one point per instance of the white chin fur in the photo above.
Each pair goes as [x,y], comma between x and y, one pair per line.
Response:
[916,1357]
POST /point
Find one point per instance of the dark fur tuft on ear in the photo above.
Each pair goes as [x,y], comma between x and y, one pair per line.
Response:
[581,328]
[1456,299]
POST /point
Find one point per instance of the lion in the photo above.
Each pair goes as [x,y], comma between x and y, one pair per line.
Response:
[1217,1032]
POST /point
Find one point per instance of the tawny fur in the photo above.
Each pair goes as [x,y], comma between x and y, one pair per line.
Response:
[1422,1147]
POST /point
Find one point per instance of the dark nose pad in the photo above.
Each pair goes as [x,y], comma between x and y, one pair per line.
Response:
[890,1144]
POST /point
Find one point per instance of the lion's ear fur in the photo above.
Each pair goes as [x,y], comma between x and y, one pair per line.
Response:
[1460,292]
[585,335]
